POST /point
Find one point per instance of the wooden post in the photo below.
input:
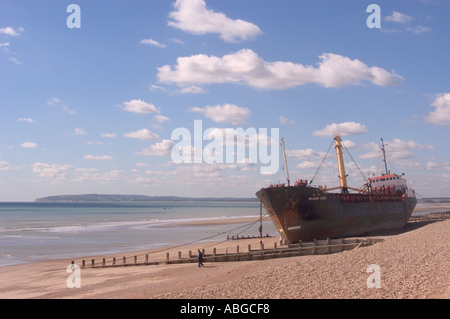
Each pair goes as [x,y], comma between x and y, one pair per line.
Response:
[237,253]
[275,246]
[328,244]
[104,262]
[146,259]
[179,256]
[214,254]
[92,262]
[300,247]
[342,245]
[314,246]
[124,260]
[83,263]
[114,261]
[167,257]
[190,254]
[135,260]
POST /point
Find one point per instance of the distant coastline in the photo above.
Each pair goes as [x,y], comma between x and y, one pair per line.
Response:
[146,198]
[137,198]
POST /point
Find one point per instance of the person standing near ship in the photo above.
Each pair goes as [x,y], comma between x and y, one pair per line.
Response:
[200,259]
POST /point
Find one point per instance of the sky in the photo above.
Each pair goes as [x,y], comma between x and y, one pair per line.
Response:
[140,97]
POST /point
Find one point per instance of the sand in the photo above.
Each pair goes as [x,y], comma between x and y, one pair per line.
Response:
[413,263]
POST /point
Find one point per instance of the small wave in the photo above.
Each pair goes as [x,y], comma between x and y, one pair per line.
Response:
[99,226]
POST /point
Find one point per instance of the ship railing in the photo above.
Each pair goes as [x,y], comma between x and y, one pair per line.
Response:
[364,197]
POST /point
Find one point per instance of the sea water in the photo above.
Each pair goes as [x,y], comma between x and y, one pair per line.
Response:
[39,231]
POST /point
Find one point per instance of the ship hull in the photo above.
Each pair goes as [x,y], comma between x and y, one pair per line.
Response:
[306,213]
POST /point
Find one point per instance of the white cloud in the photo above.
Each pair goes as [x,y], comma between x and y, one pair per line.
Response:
[246,67]
[141,107]
[143,134]
[108,135]
[94,143]
[226,113]
[399,18]
[162,148]
[98,157]
[161,118]
[152,42]
[405,20]
[396,149]
[88,176]
[28,120]
[178,41]
[14,60]
[144,181]
[4,44]
[55,102]
[285,120]
[342,129]
[305,155]
[141,164]
[54,171]
[28,145]
[192,89]
[4,166]
[79,131]
[441,113]
[419,29]
[154,87]
[192,16]
[11,32]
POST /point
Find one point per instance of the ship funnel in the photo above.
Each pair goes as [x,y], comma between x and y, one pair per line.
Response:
[341,167]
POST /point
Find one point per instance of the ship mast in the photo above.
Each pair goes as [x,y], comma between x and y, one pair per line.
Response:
[341,167]
[384,156]
[285,162]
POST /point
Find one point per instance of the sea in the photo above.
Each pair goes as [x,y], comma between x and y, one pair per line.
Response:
[41,231]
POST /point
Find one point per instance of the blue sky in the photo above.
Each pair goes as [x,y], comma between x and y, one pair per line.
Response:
[93,109]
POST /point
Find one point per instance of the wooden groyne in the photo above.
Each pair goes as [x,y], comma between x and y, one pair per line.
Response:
[429,216]
[316,247]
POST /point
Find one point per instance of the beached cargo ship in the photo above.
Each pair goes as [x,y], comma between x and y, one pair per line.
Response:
[305,212]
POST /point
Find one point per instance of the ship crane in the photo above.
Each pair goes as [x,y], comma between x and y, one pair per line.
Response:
[384,156]
[341,169]
[341,166]
[285,162]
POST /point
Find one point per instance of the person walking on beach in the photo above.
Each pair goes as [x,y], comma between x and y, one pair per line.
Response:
[200,259]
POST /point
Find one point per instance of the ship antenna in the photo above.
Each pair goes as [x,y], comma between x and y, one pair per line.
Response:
[285,162]
[384,156]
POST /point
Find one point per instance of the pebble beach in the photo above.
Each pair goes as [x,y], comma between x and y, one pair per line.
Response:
[412,263]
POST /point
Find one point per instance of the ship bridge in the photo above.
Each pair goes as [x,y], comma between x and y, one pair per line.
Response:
[390,184]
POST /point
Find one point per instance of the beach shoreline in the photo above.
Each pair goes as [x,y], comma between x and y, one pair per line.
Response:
[418,270]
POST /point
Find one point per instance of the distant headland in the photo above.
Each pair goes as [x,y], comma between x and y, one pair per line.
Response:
[137,198]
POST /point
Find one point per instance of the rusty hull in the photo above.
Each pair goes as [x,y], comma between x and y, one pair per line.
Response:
[306,213]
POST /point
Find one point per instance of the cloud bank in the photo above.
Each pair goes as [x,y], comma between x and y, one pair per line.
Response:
[245,67]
